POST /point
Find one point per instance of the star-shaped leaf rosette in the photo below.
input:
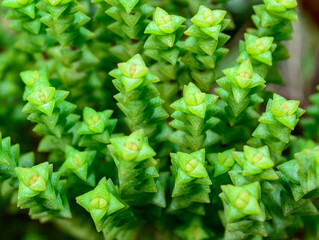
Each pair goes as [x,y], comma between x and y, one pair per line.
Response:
[162,45]
[34,181]
[137,169]
[222,161]
[41,190]
[276,124]
[205,44]
[301,175]
[239,89]
[165,31]
[46,105]
[243,204]
[138,98]
[79,162]
[193,119]
[256,162]
[96,128]
[192,181]
[105,205]
[258,49]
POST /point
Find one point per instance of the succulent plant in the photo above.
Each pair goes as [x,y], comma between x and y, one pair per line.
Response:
[167,159]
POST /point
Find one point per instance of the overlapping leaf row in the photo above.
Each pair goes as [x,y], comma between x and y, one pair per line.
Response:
[50,111]
[263,45]
[273,19]
[258,204]
[204,45]
[244,213]
[255,165]
[130,21]
[191,183]
[27,21]
[139,99]
[140,185]
[239,95]
[137,170]
[274,130]
[65,22]
[241,87]
[264,51]
[47,107]
[165,30]
[193,119]
[276,124]
[60,127]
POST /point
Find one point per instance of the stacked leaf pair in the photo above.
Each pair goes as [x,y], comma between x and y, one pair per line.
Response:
[256,163]
[96,129]
[273,22]
[41,190]
[276,124]
[139,99]
[109,213]
[131,20]
[204,45]
[273,18]
[27,20]
[193,119]
[245,214]
[239,93]
[259,50]
[46,105]
[191,182]
[79,163]
[137,170]
[222,162]
[165,30]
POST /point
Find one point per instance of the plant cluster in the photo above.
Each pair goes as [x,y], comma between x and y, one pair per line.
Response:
[184,151]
